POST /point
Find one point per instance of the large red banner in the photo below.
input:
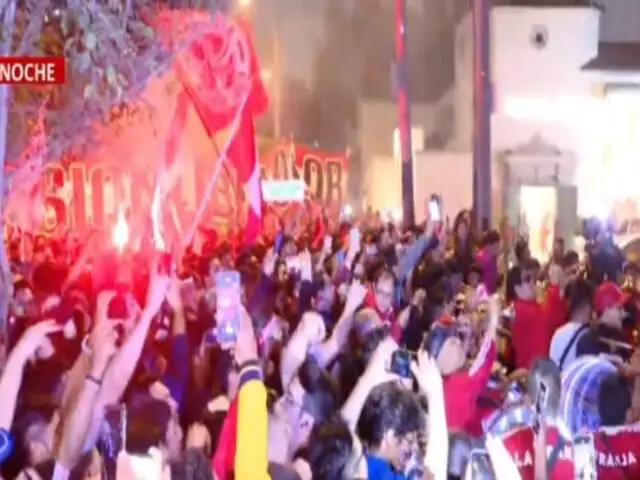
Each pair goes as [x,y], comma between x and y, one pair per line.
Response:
[82,197]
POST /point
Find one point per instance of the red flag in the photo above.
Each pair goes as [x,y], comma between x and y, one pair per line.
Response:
[218,88]
[244,157]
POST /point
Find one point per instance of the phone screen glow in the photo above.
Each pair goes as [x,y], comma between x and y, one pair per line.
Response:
[434,211]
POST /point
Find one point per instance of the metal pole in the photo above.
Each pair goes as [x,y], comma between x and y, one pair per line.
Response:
[404,111]
[482,106]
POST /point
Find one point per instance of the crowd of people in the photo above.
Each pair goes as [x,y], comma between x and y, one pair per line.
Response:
[366,351]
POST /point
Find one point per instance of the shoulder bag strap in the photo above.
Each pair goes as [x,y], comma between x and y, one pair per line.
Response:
[573,340]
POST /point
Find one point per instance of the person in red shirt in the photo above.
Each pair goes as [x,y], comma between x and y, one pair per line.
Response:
[559,276]
[531,327]
[462,386]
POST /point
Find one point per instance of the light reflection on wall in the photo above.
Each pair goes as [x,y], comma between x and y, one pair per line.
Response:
[621,158]
[610,130]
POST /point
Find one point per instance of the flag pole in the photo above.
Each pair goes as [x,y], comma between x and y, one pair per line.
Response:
[213,180]
[404,111]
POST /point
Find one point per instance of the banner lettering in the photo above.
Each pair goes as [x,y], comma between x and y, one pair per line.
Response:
[80,197]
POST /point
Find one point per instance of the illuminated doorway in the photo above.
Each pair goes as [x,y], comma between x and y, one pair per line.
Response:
[538,213]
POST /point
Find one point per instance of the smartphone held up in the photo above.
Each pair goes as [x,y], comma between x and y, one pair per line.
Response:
[228,306]
[434,208]
[401,363]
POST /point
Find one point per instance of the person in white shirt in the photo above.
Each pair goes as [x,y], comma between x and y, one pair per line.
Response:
[579,294]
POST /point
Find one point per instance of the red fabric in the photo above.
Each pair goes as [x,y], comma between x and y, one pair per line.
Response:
[530,332]
[484,412]
[519,444]
[224,457]
[244,157]
[558,309]
[609,295]
[616,459]
[462,389]
[320,232]
[204,78]
[202,69]
[243,153]
[619,457]
[446,319]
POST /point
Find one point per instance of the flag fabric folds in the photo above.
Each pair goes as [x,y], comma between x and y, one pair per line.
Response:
[218,71]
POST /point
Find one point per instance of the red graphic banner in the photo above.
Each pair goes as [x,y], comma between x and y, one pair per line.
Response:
[82,197]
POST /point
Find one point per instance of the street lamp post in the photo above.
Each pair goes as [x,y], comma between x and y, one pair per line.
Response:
[404,111]
[482,105]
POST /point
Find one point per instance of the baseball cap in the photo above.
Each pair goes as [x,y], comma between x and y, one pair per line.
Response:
[6,444]
[608,295]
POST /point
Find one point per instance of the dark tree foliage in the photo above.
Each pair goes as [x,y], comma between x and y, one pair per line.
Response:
[112,51]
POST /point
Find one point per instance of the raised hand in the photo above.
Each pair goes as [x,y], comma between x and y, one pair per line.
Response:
[36,338]
[269,263]
[427,374]
[102,306]
[174,296]
[157,291]
[103,345]
[306,266]
[355,296]
[327,245]
[312,328]
[377,371]
[198,437]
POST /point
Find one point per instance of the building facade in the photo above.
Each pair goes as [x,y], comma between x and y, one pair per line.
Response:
[566,117]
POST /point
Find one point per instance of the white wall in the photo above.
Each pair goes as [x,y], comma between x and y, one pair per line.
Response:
[448,174]
[521,69]
[378,121]
[520,66]
[464,84]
